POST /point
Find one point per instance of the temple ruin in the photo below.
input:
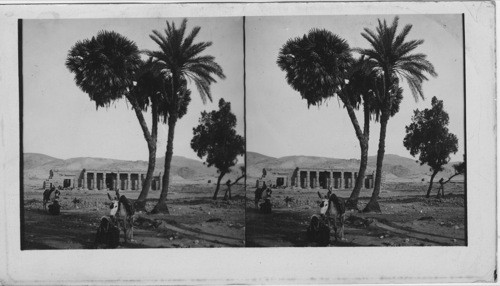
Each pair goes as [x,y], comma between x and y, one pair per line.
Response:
[313,178]
[96,179]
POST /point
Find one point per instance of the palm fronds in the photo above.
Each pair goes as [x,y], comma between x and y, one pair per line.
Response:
[104,66]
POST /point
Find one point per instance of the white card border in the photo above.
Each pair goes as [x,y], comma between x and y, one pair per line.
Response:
[473,263]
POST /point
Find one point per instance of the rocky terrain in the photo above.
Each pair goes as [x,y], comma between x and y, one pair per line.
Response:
[195,220]
[407,218]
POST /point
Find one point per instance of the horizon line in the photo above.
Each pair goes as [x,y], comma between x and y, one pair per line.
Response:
[93,157]
[329,157]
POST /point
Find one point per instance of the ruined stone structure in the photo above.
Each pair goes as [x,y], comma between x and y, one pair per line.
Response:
[96,179]
[313,178]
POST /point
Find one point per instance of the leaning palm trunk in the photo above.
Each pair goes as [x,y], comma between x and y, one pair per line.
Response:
[352,202]
[373,205]
[140,203]
[363,137]
[161,206]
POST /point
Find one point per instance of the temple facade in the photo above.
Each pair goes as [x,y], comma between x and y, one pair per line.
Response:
[313,178]
[101,179]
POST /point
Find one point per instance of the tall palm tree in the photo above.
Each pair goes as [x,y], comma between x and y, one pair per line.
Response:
[390,57]
[180,60]
[108,67]
[320,65]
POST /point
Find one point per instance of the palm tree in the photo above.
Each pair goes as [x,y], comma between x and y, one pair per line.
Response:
[108,67]
[390,59]
[179,59]
[149,91]
[320,65]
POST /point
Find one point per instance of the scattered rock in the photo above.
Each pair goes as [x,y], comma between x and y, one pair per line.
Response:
[196,242]
[170,238]
[426,218]
[162,225]
[216,219]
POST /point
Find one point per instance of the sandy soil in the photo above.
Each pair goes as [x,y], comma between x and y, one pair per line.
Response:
[407,218]
[195,220]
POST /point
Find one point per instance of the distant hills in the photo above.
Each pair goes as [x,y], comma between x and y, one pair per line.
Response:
[396,168]
[183,170]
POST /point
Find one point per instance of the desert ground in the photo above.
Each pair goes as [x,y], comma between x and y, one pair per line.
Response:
[407,218]
[195,220]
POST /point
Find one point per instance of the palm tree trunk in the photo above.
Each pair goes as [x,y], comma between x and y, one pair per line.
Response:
[373,203]
[140,203]
[430,184]
[363,137]
[352,202]
[161,206]
[218,185]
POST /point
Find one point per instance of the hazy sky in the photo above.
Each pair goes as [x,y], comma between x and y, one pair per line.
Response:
[61,121]
[278,120]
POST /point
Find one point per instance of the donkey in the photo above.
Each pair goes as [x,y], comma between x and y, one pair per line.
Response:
[50,195]
[332,206]
[122,214]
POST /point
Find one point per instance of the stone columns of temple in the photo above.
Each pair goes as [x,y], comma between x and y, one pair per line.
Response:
[308,178]
[341,180]
[84,183]
[317,180]
[94,182]
[118,182]
[139,182]
[160,179]
[104,184]
[127,182]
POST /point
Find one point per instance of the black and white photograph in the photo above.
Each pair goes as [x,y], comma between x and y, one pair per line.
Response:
[256,143]
[133,133]
[360,141]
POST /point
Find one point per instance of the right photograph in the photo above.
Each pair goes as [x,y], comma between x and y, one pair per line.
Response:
[355,131]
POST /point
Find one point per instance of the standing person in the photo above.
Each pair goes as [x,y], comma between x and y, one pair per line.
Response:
[266,196]
[258,194]
[228,184]
[441,188]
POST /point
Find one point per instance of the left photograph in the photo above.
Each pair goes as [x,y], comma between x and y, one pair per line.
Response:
[132,133]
